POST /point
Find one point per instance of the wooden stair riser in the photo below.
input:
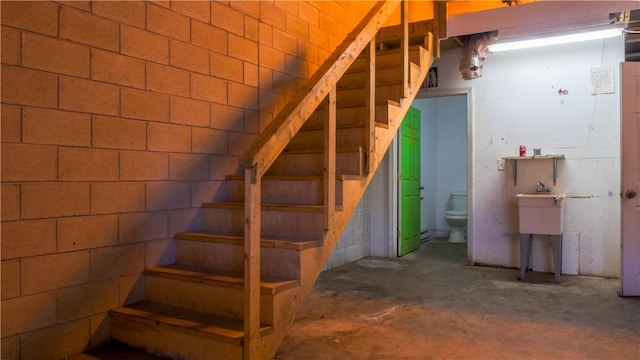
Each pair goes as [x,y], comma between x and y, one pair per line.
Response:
[314,139]
[387,58]
[166,342]
[279,224]
[383,92]
[285,191]
[221,300]
[384,75]
[348,115]
[347,163]
[393,92]
[276,262]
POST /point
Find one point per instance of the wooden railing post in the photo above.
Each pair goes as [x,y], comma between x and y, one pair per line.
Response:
[252,206]
[370,106]
[440,25]
[330,158]
[404,45]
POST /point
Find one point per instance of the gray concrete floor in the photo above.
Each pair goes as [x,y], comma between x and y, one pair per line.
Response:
[431,305]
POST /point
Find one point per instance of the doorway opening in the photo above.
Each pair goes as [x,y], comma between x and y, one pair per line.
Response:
[445,164]
[383,190]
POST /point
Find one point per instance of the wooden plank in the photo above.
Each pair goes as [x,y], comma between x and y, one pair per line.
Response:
[238,240]
[339,177]
[265,207]
[404,45]
[269,285]
[188,321]
[417,31]
[251,265]
[370,106]
[264,150]
[330,159]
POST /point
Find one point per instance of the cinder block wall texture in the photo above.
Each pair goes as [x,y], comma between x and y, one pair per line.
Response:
[118,120]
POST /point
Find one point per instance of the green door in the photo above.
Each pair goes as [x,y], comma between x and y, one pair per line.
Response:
[409,184]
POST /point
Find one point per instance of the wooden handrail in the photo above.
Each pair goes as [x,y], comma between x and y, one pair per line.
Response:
[277,135]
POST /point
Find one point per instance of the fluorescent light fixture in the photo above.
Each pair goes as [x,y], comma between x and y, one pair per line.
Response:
[555,40]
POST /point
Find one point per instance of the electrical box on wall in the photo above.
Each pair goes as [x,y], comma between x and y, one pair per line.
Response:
[501,164]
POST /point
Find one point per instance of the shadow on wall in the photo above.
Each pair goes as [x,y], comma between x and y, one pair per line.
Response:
[175,206]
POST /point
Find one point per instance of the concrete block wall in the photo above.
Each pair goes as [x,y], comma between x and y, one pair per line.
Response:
[118,120]
[354,243]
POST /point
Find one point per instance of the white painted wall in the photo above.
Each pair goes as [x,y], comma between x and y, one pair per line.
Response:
[443,157]
[517,102]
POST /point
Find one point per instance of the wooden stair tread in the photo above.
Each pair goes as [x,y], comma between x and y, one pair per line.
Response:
[320,151]
[359,69]
[345,105]
[397,82]
[196,274]
[412,47]
[342,177]
[189,321]
[268,207]
[356,125]
[292,244]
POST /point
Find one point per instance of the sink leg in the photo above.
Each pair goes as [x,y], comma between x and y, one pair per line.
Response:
[530,254]
[526,241]
[556,243]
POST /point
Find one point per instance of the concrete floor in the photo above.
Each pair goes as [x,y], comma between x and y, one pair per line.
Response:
[430,305]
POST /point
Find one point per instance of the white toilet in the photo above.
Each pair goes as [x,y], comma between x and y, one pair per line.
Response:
[456,216]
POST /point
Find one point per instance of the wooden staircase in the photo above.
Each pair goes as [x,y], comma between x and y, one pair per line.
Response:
[237,285]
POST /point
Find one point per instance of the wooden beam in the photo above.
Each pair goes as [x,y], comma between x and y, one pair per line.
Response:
[370,107]
[404,45]
[251,264]
[270,143]
[330,159]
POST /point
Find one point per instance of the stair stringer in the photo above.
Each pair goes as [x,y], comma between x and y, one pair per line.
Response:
[312,261]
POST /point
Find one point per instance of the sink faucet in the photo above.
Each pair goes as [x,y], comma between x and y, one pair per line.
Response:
[541,188]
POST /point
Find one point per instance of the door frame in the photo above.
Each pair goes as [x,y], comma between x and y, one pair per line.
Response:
[395,153]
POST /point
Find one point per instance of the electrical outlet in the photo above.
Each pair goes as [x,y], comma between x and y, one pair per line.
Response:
[501,164]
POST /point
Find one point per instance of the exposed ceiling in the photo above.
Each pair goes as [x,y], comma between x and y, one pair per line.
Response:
[531,19]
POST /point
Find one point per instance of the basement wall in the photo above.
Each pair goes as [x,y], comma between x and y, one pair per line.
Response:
[542,98]
[118,120]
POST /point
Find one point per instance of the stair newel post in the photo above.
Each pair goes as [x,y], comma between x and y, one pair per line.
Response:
[370,105]
[330,158]
[404,45]
[252,206]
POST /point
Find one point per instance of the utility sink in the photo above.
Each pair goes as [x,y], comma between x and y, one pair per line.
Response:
[540,213]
